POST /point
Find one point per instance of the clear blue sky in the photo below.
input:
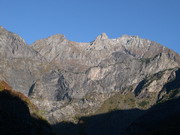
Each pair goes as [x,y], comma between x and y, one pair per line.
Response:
[83,20]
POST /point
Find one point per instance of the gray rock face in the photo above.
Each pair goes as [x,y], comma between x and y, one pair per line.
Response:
[60,75]
[51,86]
[105,65]
[13,46]
[19,64]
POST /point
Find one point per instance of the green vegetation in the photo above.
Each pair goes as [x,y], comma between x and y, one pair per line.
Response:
[174,93]
[143,103]
[168,96]
[116,102]
[126,101]
[1,88]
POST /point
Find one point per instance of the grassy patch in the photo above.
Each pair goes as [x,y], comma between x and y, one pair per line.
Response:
[118,101]
[1,88]
[143,103]
[126,101]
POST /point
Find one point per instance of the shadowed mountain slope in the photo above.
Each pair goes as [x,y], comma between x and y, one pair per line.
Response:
[160,119]
[16,117]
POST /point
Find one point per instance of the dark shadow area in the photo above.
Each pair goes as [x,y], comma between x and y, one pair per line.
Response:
[172,88]
[103,124]
[15,117]
[174,84]
[31,89]
[139,87]
[161,119]
[147,81]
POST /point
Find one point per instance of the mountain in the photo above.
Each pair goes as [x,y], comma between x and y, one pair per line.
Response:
[93,72]
[68,80]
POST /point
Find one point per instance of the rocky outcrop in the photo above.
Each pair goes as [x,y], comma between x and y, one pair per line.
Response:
[66,79]
[51,86]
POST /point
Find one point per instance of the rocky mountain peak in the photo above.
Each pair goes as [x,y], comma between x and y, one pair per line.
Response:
[55,37]
[4,34]
[127,38]
[12,45]
[1,28]
[103,36]
[53,40]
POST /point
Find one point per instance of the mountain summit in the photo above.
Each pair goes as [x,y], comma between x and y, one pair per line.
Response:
[102,36]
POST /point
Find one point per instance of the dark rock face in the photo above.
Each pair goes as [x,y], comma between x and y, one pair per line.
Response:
[66,79]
